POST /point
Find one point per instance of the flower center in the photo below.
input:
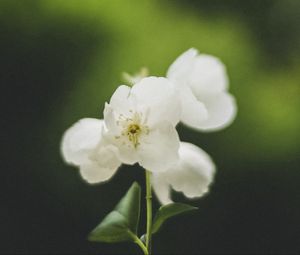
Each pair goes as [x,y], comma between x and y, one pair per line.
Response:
[133,128]
[133,132]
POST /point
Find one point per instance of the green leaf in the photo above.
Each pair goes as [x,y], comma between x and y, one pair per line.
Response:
[167,211]
[121,224]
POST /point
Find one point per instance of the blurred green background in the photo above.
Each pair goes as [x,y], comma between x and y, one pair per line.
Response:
[61,60]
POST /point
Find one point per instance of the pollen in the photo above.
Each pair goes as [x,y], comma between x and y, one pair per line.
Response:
[133,128]
[133,133]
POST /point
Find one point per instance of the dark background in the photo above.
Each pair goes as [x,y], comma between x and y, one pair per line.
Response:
[61,60]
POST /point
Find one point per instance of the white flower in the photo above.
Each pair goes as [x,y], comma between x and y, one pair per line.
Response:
[138,126]
[202,83]
[141,123]
[192,174]
[83,146]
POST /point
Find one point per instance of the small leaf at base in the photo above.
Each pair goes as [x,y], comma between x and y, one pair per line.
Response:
[167,211]
[120,224]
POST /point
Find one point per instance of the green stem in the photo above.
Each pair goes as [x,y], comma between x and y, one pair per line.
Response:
[149,210]
[139,243]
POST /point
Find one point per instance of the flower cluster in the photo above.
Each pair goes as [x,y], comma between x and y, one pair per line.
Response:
[139,126]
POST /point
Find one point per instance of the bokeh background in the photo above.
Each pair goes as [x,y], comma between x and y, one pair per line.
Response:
[61,60]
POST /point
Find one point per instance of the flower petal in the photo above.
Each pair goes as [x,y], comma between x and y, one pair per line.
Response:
[120,100]
[102,165]
[113,135]
[161,188]
[95,173]
[127,154]
[221,108]
[158,96]
[159,149]
[110,119]
[192,175]
[181,67]
[80,139]
[208,75]
[193,111]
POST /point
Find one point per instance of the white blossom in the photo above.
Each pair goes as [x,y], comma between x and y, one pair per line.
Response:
[202,83]
[83,146]
[191,175]
[141,123]
[138,127]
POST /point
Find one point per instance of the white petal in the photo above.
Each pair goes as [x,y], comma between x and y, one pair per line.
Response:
[113,135]
[161,188]
[182,66]
[208,75]
[158,96]
[192,175]
[110,118]
[221,110]
[94,173]
[120,99]
[193,111]
[103,164]
[80,139]
[127,154]
[159,149]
